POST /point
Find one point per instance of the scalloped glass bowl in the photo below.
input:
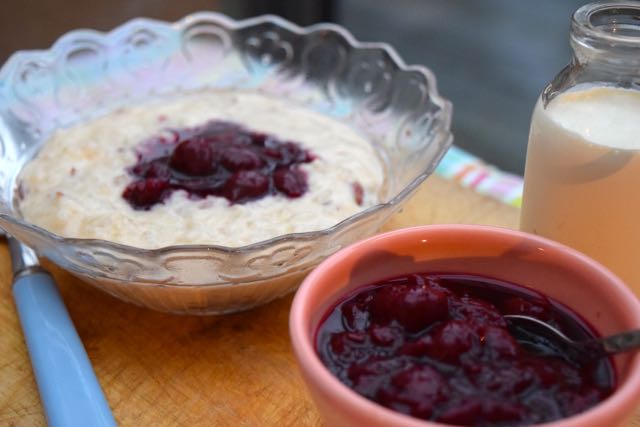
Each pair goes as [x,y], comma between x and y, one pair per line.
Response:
[87,73]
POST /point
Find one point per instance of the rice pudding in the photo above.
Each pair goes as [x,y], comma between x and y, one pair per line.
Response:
[76,186]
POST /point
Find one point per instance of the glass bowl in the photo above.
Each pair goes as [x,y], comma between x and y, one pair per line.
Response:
[87,73]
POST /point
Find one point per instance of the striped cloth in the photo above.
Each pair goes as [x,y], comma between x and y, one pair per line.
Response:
[469,171]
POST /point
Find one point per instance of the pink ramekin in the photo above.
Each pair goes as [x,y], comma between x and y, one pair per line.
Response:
[549,267]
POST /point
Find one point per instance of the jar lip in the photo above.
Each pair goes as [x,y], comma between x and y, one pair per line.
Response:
[582,24]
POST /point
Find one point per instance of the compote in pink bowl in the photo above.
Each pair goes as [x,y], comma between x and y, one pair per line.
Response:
[406,329]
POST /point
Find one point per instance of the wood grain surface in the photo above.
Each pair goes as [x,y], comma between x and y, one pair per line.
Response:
[164,370]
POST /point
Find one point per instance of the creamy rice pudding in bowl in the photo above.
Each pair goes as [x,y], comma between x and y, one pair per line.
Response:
[205,166]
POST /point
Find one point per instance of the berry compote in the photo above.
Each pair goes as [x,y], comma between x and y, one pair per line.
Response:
[216,159]
[435,346]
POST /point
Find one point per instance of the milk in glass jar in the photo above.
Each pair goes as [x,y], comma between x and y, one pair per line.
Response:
[582,175]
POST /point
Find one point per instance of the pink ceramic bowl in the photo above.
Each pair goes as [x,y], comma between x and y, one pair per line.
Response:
[551,268]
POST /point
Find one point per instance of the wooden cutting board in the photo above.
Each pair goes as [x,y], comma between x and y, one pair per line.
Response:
[164,370]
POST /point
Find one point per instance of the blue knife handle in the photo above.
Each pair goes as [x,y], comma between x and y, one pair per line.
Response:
[69,389]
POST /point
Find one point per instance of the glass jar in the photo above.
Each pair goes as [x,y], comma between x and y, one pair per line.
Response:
[582,175]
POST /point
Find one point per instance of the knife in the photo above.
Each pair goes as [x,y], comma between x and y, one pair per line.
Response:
[69,390]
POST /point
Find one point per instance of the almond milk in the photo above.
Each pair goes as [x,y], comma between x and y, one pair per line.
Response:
[582,178]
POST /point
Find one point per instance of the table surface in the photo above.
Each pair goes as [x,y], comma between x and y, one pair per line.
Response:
[165,370]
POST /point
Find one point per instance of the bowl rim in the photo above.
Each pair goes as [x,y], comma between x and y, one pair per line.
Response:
[309,363]
[443,134]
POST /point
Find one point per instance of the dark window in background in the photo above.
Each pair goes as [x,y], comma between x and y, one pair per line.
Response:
[491,57]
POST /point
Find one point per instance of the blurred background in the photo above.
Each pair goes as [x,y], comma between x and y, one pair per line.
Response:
[491,58]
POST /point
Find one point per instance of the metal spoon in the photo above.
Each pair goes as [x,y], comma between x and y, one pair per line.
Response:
[69,390]
[534,330]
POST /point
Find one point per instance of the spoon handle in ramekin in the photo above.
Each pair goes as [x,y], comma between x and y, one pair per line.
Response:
[625,341]
[69,389]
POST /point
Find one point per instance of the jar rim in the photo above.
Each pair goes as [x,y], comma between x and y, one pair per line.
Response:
[583,23]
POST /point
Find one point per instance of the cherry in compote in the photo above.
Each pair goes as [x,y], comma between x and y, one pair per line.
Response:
[435,346]
[219,158]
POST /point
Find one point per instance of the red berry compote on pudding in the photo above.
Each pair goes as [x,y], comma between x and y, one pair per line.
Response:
[217,159]
[216,167]
[436,346]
